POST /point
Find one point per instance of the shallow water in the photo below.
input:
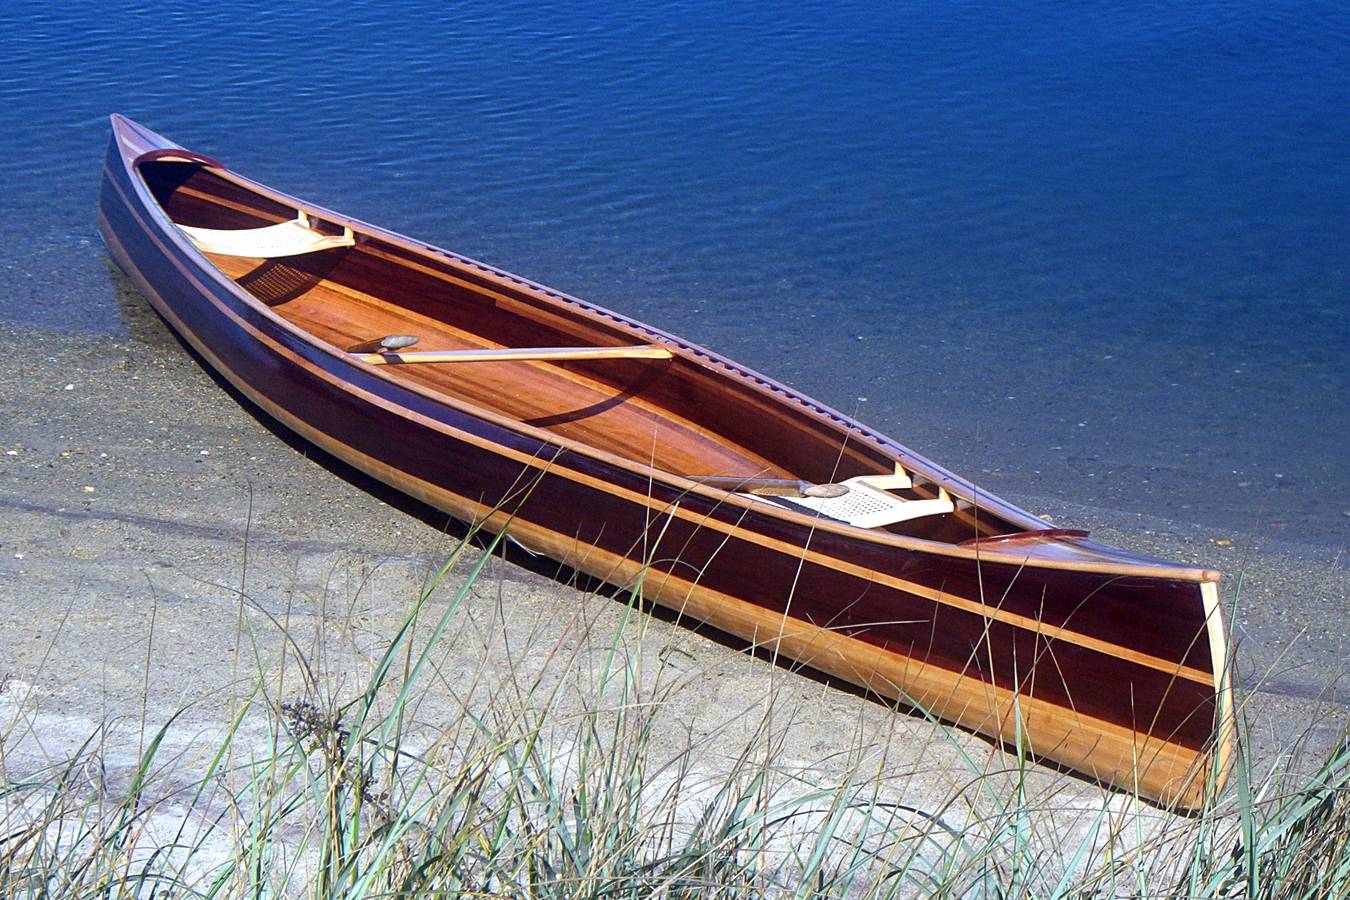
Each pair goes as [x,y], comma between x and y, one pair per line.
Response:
[1098,253]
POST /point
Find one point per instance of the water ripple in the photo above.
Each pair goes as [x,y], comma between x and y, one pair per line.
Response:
[1040,186]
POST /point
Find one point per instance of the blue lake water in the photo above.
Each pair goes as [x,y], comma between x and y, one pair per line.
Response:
[1097,252]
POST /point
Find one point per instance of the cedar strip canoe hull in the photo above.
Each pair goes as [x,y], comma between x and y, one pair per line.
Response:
[1116,665]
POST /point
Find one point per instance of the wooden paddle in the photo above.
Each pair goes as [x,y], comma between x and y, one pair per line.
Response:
[512,354]
[387,344]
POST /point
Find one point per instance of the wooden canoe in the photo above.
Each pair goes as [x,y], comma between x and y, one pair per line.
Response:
[626,452]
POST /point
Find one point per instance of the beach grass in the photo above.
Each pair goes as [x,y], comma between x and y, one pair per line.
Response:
[313,792]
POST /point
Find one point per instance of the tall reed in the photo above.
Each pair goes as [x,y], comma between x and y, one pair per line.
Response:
[312,795]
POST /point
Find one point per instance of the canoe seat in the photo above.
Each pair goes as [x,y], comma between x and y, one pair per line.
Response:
[291,238]
[869,502]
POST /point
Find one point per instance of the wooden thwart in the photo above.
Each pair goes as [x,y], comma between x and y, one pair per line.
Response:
[513,354]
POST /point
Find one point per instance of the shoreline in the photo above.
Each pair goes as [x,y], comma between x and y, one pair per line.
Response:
[1101,471]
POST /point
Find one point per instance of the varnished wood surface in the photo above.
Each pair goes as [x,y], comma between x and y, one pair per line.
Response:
[612,417]
[1064,629]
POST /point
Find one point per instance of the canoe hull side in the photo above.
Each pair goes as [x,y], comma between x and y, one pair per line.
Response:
[975,643]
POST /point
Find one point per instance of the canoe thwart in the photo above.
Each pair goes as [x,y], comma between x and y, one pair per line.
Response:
[292,238]
[517,354]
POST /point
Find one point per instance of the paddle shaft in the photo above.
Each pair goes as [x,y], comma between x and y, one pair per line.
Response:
[512,354]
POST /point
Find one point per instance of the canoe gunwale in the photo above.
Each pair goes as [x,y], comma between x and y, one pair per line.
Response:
[771,390]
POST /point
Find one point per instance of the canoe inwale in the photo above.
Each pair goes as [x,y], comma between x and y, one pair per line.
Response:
[1115,664]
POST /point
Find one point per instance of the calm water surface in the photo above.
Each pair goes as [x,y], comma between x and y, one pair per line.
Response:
[1099,252]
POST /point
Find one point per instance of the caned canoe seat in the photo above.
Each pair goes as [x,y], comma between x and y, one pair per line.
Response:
[291,238]
[868,502]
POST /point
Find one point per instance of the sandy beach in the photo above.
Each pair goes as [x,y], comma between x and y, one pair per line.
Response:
[135,487]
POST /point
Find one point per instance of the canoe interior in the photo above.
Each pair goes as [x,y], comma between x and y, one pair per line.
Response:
[676,415]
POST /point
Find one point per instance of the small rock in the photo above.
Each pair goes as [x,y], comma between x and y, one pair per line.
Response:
[88,488]
[69,387]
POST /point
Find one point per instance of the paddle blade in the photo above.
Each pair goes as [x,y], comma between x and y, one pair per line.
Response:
[390,343]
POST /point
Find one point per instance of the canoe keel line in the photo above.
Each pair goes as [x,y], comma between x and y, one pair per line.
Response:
[629,454]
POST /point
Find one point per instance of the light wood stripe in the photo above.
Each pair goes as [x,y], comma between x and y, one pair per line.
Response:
[1226,724]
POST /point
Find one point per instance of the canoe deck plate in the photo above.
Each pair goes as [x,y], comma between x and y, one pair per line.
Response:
[291,238]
